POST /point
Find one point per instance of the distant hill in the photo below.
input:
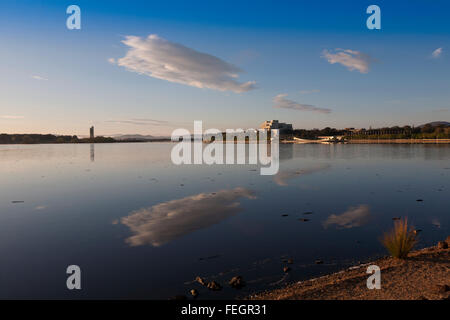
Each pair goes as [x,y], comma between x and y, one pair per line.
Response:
[139,137]
[436,124]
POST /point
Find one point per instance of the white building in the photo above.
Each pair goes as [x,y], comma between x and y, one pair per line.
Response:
[274,124]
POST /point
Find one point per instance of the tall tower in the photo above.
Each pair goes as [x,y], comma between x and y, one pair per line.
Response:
[91,132]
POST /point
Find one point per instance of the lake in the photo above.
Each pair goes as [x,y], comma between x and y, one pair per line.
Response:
[141,227]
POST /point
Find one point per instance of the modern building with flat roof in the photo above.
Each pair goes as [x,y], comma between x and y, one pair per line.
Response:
[275,124]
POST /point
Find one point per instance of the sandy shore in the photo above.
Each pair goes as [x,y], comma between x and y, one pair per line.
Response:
[423,275]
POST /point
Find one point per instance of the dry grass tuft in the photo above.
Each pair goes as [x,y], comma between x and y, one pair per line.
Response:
[400,241]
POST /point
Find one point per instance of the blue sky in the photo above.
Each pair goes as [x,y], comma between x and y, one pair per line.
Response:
[237,63]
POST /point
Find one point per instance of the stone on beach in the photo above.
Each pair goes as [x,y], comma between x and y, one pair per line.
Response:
[236,282]
[443,288]
[200,280]
[442,245]
[214,286]
[194,293]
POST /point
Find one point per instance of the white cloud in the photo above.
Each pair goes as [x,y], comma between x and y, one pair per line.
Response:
[353,60]
[281,102]
[169,220]
[436,53]
[353,217]
[36,77]
[162,59]
[309,91]
[10,117]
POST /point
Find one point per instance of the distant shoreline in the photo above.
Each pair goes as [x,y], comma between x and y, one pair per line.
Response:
[371,141]
[413,141]
[93,142]
[358,141]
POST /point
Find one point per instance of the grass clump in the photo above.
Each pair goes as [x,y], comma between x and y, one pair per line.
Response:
[400,240]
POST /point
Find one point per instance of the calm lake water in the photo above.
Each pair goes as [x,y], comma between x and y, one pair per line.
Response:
[140,227]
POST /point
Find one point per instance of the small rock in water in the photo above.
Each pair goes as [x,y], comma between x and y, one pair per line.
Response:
[286,269]
[17,201]
[308,212]
[200,280]
[442,245]
[290,261]
[236,282]
[396,218]
[419,200]
[284,215]
[214,286]
[194,293]
[318,261]
[303,219]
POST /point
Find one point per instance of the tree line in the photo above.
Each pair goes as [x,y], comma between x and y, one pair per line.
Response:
[49,138]
[427,131]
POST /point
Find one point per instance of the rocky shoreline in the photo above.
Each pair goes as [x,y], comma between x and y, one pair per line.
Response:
[424,275]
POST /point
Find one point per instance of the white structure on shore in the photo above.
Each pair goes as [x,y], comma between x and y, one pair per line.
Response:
[274,124]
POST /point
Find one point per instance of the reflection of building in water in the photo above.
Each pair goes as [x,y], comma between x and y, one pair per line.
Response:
[91,132]
[92,152]
[286,151]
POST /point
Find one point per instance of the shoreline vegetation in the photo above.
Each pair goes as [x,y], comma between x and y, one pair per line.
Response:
[63,139]
[423,275]
[433,132]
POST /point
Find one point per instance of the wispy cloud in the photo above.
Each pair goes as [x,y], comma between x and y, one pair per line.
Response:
[353,217]
[10,117]
[36,77]
[281,102]
[437,53]
[353,60]
[169,220]
[309,91]
[162,59]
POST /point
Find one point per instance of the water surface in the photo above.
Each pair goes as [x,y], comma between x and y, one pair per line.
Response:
[141,227]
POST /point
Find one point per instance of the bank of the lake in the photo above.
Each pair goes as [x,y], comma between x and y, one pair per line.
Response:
[425,274]
[415,141]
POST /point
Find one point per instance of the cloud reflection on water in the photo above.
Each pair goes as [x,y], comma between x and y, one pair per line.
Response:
[282,177]
[169,220]
[353,217]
